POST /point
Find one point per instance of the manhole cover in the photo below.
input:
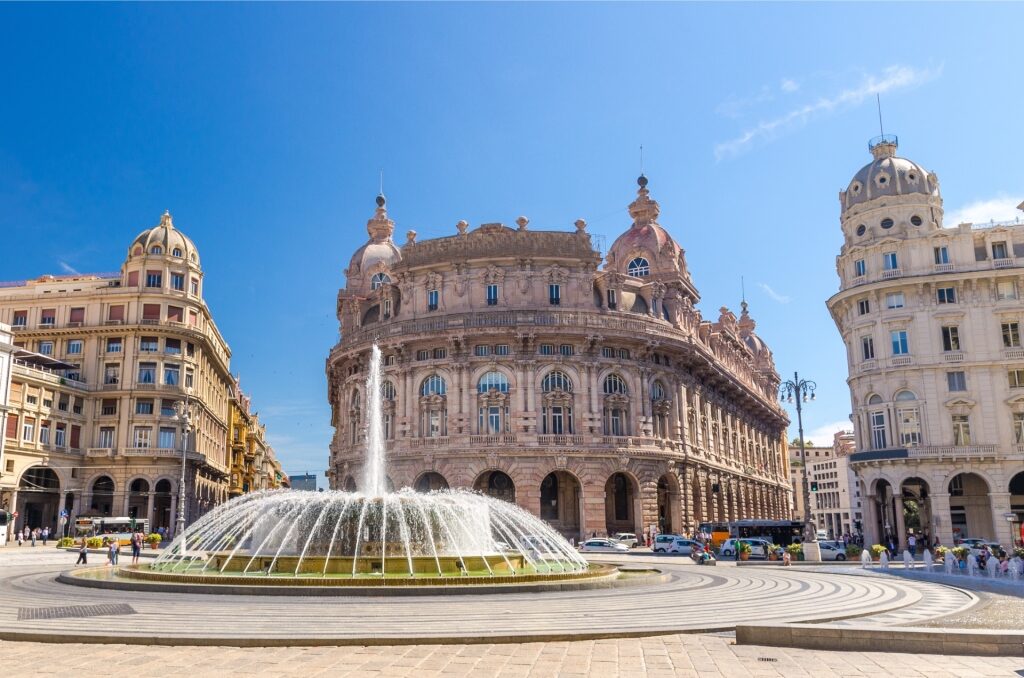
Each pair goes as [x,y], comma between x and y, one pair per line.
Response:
[69,611]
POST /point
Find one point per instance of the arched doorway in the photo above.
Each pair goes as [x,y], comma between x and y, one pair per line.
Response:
[621,510]
[917,509]
[38,499]
[162,505]
[561,496]
[138,499]
[669,515]
[886,511]
[496,484]
[1016,489]
[431,481]
[102,502]
[350,484]
[970,511]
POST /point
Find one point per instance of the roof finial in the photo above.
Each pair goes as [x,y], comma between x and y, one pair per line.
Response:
[743,295]
[381,200]
[878,100]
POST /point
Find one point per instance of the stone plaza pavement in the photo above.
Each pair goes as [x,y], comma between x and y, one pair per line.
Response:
[669,656]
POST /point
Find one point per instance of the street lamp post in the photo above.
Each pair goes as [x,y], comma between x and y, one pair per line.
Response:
[801,390]
[183,415]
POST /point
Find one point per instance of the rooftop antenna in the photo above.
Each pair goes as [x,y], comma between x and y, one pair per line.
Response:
[641,158]
[743,290]
[382,181]
[878,100]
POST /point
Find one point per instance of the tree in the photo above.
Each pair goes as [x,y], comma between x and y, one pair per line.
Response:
[795,443]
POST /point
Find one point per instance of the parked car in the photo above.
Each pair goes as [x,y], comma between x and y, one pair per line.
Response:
[603,546]
[663,541]
[686,547]
[758,547]
[627,538]
[832,550]
[976,546]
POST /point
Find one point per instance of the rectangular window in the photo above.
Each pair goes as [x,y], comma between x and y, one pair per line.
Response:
[386,309]
[1018,428]
[481,350]
[878,438]
[941,256]
[48,317]
[607,352]
[194,287]
[864,307]
[76,315]
[46,347]
[946,295]
[899,342]
[189,378]
[501,349]
[175,314]
[133,279]
[961,430]
[166,440]
[612,303]
[44,433]
[151,312]
[193,319]
[1016,378]
[950,338]
[557,420]
[492,295]
[108,406]
[894,300]
[889,261]
[1011,335]
[624,354]
[74,346]
[547,349]
[143,407]
[147,373]
[423,354]
[190,349]
[565,349]
[76,436]
[172,346]
[957,381]
[106,438]
[432,299]
[112,374]
[177,283]
[859,268]
[167,408]
[867,345]
[554,294]
[149,345]
[116,314]
[20,319]
[62,404]
[114,345]
[143,436]
[999,250]
[440,353]
[154,279]
[1006,289]
[28,430]
[390,360]
[172,374]
[60,436]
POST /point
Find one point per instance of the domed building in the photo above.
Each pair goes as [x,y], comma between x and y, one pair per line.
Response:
[930,314]
[101,364]
[587,389]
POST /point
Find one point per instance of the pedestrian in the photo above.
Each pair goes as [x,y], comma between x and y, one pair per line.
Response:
[46,535]
[112,552]
[17,533]
[912,545]
[83,554]
[34,534]
[136,547]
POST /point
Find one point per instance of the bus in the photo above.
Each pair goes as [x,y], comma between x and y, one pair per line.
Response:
[781,532]
[5,520]
[111,527]
[717,532]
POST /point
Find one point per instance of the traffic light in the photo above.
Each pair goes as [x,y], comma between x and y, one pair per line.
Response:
[814,486]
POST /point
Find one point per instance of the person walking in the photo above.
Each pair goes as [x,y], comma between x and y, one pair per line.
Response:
[46,535]
[912,545]
[17,534]
[83,554]
[34,534]
[136,547]
[112,548]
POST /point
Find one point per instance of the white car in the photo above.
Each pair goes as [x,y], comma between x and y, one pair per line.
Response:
[758,547]
[832,550]
[663,541]
[684,546]
[976,546]
[603,546]
[627,538]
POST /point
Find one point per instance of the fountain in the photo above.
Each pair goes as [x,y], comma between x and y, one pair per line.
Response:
[972,564]
[1016,568]
[928,560]
[367,538]
[883,560]
[992,567]
[908,560]
[949,561]
[865,558]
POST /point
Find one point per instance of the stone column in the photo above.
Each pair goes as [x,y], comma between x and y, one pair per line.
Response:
[901,527]
[942,523]
[870,522]
[1003,530]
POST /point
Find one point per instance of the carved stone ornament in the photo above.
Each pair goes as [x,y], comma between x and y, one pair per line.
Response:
[462,226]
[561,461]
[623,462]
[492,460]
[522,223]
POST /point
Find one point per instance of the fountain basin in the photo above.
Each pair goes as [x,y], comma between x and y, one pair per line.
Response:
[226,562]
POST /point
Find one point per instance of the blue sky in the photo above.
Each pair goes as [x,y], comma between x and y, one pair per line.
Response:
[263,128]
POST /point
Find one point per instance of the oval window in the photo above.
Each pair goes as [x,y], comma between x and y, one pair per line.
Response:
[915,220]
[887,223]
[861,229]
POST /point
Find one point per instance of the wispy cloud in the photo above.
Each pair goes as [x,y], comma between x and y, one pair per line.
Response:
[892,78]
[822,435]
[789,85]
[781,298]
[999,208]
[67,268]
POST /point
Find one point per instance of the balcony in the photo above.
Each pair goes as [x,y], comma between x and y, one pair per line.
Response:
[901,361]
[555,440]
[953,357]
[869,365]
[1013,354]
[941,452]
[493,440]
[892,273]
[944,268]
[1005,262]
[438,441]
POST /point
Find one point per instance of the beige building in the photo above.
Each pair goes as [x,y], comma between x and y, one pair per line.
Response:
[101,363]
[931,318]
[592,393]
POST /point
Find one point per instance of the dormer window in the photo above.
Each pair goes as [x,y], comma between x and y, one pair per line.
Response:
[176,252]
[379,279]
[156,249]
[639,268]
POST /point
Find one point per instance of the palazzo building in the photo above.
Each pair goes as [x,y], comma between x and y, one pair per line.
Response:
[931,317]
[594,395]
[254,466]
[100,364]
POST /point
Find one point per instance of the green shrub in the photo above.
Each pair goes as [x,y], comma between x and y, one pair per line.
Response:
[877,550]
[743,547]
[853,550]
[795,549]
[960,552]
[154,538]
[65,542]
[94,542]
[940,552]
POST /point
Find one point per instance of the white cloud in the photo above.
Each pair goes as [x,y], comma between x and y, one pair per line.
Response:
[781,298]
[822,435]
[1000,208]
[892,78]
[789,85]
[67,268]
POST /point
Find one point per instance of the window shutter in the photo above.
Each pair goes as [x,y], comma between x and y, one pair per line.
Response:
[174,313]
[133,279]
[193,318]
[76,434]
[117,313]
[12,426]
[77,315]
[151,311]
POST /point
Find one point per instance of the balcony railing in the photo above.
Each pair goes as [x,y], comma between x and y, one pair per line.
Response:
[556,440]
[891,273]
[1005,262]
[1013,354]
[953,357]
[50,376]
[925,452]
[869,365]
[945,268]
[491,440]
[101,452]
[901,361]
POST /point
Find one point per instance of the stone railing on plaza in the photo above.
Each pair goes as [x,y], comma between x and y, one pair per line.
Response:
[925,452]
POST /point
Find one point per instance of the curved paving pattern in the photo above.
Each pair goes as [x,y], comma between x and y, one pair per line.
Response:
[693,599]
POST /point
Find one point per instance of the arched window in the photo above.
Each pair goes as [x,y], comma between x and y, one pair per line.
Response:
[876,422]
[156,249]
[613,383]
[903,396]
[639,268]
[379,279]
[908,418]
[433,385]
[659,410]
[387,390]
[492,380]
[556,381]
[657,391]
[176,252]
